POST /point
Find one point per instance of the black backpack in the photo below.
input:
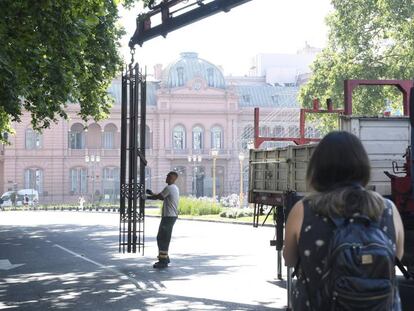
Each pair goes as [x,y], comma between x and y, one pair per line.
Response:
[359,272]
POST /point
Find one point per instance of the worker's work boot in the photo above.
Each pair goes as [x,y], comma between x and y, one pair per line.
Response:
[160,264]
[168,258]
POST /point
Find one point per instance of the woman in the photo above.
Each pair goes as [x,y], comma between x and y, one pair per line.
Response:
[338,172]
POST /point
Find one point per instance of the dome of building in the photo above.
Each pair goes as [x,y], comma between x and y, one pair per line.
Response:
[189,67]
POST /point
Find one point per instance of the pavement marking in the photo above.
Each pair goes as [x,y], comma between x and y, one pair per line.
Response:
[138,284]
[5,264]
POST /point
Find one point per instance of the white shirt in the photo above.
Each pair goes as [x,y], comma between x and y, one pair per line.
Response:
[171,195]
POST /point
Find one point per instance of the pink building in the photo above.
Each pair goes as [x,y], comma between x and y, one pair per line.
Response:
[191,109]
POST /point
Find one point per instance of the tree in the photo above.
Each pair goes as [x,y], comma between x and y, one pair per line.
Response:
[54,53]
[368,39]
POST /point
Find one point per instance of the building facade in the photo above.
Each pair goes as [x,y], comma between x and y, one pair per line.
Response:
[192,109]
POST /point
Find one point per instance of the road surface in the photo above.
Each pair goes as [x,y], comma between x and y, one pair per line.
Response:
[70,261]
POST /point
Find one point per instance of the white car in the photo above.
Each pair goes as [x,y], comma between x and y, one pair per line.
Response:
[32,194]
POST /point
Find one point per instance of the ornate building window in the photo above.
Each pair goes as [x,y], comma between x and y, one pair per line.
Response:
[210,77]
[264,131]
[33,179]
[78,180]
[216,137]
[34,140]
[108,136]
[278,131]
[275,99]
[293,131]
[247,136]
[110,183]
[77,136]
[197,138]
[180,76]
[246,98]
[179,137]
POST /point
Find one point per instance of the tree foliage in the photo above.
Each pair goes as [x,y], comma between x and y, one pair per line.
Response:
[57,52]
[368,39]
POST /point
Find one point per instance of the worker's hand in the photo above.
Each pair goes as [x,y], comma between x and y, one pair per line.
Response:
[149,191]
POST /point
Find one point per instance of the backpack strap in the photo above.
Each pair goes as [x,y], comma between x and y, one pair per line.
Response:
[338,221]
[404,271]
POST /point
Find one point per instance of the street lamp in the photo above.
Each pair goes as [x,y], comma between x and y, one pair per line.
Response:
[241,159]
[93,160]
[194,158]
[214,154]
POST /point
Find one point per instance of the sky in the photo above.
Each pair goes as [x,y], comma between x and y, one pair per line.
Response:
[232,39]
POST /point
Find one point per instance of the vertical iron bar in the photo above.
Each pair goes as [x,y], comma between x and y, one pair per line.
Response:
[131,156]
[124,110]
[143,112]
[135,155]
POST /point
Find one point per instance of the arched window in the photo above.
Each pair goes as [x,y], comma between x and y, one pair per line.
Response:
[264,131]
[179,137]
[110,183]
[34,140]
[77,136]
[210,77]
[180,75]
[278,131]
[94,136]
[78,180]
[197,138]
[247,136]
[216,138]
[33,179]
[108,136]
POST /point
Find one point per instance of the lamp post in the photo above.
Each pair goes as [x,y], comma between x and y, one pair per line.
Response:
[241,159]
[214,154]
[193,159]
[93,160]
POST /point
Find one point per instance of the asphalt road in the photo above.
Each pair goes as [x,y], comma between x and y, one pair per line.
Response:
[70,261]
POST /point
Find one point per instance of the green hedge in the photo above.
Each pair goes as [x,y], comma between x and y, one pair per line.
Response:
[198,206]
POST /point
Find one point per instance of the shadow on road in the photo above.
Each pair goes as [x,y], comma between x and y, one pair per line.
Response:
[56,280]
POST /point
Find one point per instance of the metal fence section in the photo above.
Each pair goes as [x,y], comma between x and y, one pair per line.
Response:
[133,162]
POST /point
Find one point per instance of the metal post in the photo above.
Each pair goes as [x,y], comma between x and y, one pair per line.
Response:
[280,219]
[289,289]
[241,183]
[93,183]
[241,158]
[214,178]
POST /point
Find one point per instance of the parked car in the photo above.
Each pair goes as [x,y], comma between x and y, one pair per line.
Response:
[18,196]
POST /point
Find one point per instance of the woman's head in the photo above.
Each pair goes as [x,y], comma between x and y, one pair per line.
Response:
[338,170]
[338,160]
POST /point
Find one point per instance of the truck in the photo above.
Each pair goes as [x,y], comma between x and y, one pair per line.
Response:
[277,177]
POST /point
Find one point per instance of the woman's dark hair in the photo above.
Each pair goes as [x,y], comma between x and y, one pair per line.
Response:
[338,171]
[339,159]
